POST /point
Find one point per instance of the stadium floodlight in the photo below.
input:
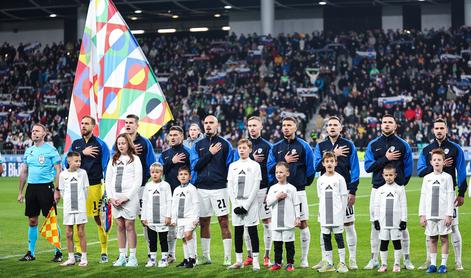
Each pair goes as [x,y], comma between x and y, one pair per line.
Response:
[322,3]
[175,16]
[137,32]
[226,28]
[166,31]
[133,17]
[199,29]
[227,7]
[52,15]
[217,15]
[138,11]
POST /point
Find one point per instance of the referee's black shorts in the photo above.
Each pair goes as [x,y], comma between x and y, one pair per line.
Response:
[39,197]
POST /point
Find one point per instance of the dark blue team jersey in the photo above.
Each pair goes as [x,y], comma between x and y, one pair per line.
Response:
[171,169]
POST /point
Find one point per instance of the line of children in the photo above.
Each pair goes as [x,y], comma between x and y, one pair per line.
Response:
[161,209]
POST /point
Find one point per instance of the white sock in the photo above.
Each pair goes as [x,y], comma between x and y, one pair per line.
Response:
[405,244]
[267,239]
[329,257]
[374,241]
[384,257]
[190,245]
[227,247]
[342,255]
[248,243]
[132,252]
[351,237]
[165,255]
[397,256]
[185,250]
[427,249]
[444,258]
[255,257]
[172,241]
[239,258]
[205,245]
[433,258]
[457,243]
[146,236]
[322,247]
[84,256]
[195,236]
[122,252]
[153,255]
[305,240]
[71,256]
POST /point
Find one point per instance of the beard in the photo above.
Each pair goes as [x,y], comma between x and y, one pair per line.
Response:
[85,132]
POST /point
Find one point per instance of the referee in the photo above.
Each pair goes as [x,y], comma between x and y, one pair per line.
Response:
[41,164]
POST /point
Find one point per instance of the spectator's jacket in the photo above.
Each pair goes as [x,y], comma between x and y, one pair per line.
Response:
[302,172]
[458,168]
[259,146]
[210,171]
[94,166]
[188,142]
[375,159]
[171,169]
[347,166]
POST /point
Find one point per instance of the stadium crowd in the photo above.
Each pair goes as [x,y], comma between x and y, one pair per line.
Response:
[417,76]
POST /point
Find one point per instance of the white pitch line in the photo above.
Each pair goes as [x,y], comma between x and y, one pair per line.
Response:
[50,250]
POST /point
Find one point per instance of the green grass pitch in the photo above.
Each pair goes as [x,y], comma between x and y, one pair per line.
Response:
[13,244]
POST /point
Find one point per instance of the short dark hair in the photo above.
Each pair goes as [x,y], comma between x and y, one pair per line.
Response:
[177,128]
[289,118]
[334,118]
[389,166]
[388,116]
[184,168]
[91,119]
[133,116]
[440,120]
[73,154]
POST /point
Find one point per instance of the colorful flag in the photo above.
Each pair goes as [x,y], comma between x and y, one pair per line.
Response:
[50,230]
[113,79]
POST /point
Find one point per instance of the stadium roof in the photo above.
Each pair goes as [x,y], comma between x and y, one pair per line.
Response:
[163,10]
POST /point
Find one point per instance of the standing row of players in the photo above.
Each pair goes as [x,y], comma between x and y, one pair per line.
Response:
[210,159]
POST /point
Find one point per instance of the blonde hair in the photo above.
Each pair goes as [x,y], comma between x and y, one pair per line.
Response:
[156,166]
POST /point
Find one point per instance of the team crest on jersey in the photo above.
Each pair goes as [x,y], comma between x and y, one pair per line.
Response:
[392,148]
[293,151]
[260,150]
[447,151]
[41,159]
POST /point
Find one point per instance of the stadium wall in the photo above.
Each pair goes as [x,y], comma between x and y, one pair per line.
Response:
[436,16]
[44,32]
[287,22]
